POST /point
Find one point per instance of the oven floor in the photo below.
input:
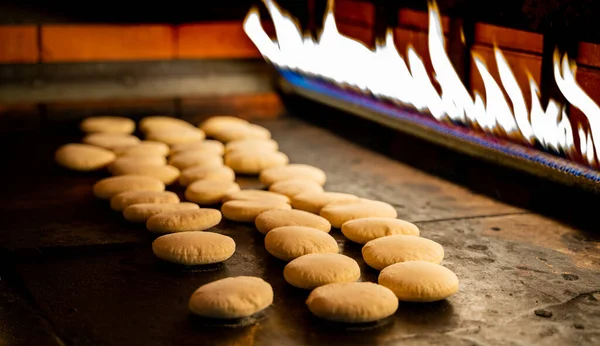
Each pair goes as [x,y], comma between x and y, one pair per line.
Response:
[74,272]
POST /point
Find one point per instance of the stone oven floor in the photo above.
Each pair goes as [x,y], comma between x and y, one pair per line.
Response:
[74,272]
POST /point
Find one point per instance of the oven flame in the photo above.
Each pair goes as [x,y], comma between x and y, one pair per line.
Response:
[386,74]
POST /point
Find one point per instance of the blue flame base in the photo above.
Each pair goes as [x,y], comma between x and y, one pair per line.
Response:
[546,164]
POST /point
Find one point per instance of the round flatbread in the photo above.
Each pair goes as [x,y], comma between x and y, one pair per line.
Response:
[165,173]
[295,187]
[352,302]
[163,123]
[313,202]
[110,141]
[364,230]
[292,171]
[183,220]
[208,146]
[290,242]
[108,187]
[248,210]
[144,148]
[318,269]
[108,124]
[208,192]
[252,144]
[125,199]
[234,297]
[272,219]
[193,248]
[255,195]
[382,252]
[194,173]
[83,157]
[253,162]
[337,213]
[419,281]
[143,211]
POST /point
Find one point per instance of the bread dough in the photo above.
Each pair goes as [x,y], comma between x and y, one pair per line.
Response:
[108,187]
[194,173]
[235,132]
[352,302]
[339,212]
[139,160]
[363,230]
[247,211]
[163,123]
[83,157]
[207,192]
[234,297]
[252,144]
[292,171]
[183,220]
[193,248]
[272,219]
[214,125]
[318,269]
[255,195]
[108,124]
[290,242]
[295,187]
[143,211]
[167,174]
[419,281]
[144,148]
[253,162]
[207,146]
[195,159]
[125,199]
[177,136]
[110,141]
[382,252]
[313,202]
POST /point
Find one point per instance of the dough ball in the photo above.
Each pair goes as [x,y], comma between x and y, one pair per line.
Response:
[252,144]
[123,200]
[83,157]
[241,131]
[185,160]
[138,160]
[340,212]
[193,248]
[143,211]
[194,173]
[363,230]
[295,187]
[166,173]
[207,192]
[144,148]
[419,281]
[176,136]
[272,219]
[290,242]
[110,141]
[318,269]
[183,220]
[352,302]
[253,162]
[313,202]
[108,187]
[382,252]
[292,171]
[255,195]
[207,146]
[248,210]
[108,124]
[163,123]
[216,124]
[234,297]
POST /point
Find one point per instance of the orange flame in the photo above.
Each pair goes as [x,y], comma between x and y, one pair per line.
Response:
[384,72]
